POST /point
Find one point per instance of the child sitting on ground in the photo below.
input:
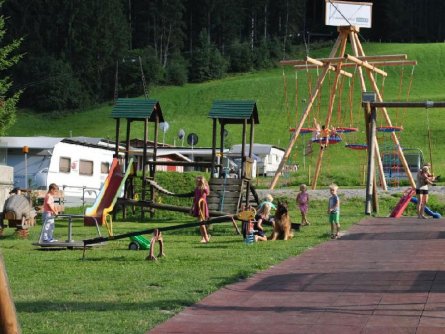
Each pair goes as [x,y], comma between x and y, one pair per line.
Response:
[263,215]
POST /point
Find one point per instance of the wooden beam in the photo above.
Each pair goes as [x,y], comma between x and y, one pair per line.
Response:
[339,59]
[332,68]
[366,65]
[374,63]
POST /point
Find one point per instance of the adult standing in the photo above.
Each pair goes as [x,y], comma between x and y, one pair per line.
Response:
[423,180]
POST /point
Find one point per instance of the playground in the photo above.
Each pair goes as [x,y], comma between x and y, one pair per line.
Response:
[381,273]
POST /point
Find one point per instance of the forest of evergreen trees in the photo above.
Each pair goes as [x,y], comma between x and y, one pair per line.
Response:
[71,49]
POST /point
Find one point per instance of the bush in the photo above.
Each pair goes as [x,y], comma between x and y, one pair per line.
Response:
[129,73]
[55,86]
[207,63]
[176,72]
[240,57]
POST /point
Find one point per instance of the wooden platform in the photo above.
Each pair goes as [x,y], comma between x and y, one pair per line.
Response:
[62,244]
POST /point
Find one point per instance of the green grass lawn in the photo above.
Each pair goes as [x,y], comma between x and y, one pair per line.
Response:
[115,290]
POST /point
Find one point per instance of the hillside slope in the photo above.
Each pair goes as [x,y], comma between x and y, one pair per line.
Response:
[187,108]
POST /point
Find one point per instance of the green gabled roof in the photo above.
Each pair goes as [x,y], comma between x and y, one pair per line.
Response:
[137,109]
[234,112]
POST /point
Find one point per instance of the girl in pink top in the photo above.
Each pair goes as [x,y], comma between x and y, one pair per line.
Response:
[49,213]
[200,208]
[303,204]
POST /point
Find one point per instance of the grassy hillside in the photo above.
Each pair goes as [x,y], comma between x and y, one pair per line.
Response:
[188,107]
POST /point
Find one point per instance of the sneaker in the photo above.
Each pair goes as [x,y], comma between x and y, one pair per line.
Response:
[53,240]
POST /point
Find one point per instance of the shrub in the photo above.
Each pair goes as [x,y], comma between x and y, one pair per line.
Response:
[176,72]
[55,87]
[240,57]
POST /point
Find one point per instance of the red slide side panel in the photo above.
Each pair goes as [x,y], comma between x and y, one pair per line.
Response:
[112,183]
[403,203]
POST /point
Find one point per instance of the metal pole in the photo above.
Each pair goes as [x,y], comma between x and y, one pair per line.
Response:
[371,160]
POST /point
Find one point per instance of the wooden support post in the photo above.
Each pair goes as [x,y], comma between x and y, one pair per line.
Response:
[213,168]
[358,51]
[116,151]
[8,317]
[127,158]
[127,142]
[243,149]
[221,145]
[144,165]
[153,167]
[333,94]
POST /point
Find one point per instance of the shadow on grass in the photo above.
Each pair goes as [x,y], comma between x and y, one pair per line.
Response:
[44,306]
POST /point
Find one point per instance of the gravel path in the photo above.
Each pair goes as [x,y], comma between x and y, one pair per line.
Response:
[343,192]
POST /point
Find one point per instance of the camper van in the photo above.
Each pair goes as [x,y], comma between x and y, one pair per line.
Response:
[267,157]
[392,166]
[78,165]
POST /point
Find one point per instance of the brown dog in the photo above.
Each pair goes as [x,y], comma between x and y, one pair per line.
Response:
[281,224]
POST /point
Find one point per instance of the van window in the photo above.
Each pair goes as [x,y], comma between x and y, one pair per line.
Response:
[86,167]
[64,165]
[104,167]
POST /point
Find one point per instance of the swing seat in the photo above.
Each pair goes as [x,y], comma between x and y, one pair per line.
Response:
[357,146]
[346,129]
[304,131]
[326,140]
[389,128]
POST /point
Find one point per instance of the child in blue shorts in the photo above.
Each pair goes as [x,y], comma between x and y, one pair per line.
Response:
[334,211]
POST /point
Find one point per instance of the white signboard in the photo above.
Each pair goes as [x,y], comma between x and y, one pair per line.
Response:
[347,13]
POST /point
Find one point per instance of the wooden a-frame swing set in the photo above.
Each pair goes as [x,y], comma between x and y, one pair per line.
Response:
[337,62]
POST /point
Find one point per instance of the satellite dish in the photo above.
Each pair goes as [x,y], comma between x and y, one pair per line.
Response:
[181,134]
[226,133]
[164,126]
[192,139]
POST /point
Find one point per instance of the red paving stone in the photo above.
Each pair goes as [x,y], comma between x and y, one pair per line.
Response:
[383,275]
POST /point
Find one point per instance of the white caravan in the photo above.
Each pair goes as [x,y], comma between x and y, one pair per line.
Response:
[77,165]
[268,157]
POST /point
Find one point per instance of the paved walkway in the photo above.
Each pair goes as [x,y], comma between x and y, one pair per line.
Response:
[384,276]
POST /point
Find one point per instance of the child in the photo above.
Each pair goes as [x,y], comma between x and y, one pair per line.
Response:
[423,180]
[49,213]
[334,211]
[324,134]
[302,202]
[263,214]
[200,208]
